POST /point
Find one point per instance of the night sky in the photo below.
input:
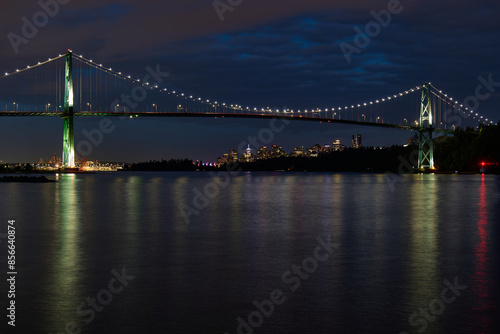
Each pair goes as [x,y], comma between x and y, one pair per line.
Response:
[263,53]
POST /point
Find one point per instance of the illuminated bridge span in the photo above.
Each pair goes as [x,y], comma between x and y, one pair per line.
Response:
[85,88]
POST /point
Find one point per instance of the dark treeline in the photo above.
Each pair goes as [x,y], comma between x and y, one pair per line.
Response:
[464,151]
[164,165]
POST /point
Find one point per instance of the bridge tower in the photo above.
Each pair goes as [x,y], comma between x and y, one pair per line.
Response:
[68,135]
[426,144]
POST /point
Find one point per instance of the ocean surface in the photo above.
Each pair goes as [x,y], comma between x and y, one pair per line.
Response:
[253,253]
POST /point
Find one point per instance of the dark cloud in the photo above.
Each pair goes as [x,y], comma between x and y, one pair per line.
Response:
[265,53]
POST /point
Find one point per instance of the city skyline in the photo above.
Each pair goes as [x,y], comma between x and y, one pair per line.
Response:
[335,145]
[275,151]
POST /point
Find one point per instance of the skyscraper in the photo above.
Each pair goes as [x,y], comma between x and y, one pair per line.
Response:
[248,156]
[262,153]
[356,141]
[336,145]
[298,151]
[233,155]
[277,152]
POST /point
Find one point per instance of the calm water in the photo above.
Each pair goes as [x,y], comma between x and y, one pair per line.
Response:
[263,237]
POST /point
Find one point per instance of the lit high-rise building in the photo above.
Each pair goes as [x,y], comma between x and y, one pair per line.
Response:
[356,141]
[336,145]
[325,149]
[277,152]
[313,151]
[298,151]
[262,153]
[248,156]
[223,160]
[233,156]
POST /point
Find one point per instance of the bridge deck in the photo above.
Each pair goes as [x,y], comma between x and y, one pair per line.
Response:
[215,115]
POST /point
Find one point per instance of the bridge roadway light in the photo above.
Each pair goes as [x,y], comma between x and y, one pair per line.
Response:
[15,104]
[406,121]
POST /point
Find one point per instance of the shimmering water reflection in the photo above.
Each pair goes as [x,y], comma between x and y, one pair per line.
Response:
[396,248]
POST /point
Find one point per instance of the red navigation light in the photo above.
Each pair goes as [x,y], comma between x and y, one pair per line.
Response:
[483,163]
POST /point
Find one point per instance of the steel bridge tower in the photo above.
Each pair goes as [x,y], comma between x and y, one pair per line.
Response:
[426,144]
[68,160]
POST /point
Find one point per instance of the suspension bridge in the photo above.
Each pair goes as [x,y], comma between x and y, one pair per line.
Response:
[71,85]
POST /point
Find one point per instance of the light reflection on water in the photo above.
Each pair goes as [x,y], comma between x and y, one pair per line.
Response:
[481,280]
[63,270]
[396,248]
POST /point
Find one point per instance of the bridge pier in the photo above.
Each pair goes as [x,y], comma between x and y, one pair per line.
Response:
[426,144]
[68,160]
[425,150]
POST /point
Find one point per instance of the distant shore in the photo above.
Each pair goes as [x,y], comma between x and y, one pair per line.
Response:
[22,175]
[463,153]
